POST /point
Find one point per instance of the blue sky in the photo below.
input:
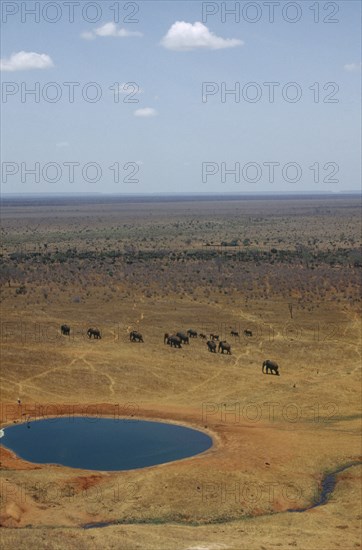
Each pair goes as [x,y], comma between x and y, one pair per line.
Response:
[175,139]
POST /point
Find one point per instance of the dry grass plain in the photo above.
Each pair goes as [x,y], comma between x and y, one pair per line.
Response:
[292,278]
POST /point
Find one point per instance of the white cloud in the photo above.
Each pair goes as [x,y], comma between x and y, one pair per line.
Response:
[146,112]
[184,36]
[109,29]
[23,61]
[353,67]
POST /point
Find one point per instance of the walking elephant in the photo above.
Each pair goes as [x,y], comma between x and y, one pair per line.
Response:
[191,333]
[95,333]
[65,329]
[135,336]
[174,341]
[224,346]
[211,346]
[183,337]
[270,367]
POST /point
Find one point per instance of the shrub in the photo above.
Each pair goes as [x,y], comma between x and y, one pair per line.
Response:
[21,290]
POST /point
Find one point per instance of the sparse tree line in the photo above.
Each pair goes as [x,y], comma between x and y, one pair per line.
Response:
[302,254]
[176,273]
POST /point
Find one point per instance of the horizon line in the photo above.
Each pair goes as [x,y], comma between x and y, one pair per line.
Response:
[176,193]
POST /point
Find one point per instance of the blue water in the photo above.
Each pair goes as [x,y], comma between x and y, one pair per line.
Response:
[103,443]
[327,487]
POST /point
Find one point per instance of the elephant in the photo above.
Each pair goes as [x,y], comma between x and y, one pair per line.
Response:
[202,335]
[94,332]
[135,336]
[270,366]
[183,337]
[214,336]
[174,341]
[211,346]
[224,346]
[234,333]
[65,329]
[248,332]
[192,333]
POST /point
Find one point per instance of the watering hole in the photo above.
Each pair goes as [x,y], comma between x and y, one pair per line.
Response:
[103,443]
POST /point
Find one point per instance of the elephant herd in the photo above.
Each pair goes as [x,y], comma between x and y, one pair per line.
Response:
[95,333]
[247,332]
[176,340]
[223,346]
[65,330]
